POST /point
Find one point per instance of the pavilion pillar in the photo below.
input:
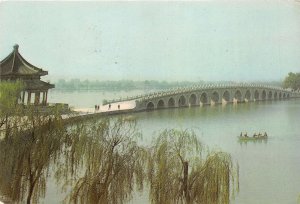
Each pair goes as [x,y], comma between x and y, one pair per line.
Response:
[23,97]
[29,98]
[46,97]
[43,101]
[37,98]
[41,98]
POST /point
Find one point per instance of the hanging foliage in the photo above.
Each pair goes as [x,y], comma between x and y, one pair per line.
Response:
[111,160]
[177,173]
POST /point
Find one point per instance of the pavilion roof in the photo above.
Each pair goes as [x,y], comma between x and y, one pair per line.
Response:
[15,64]
[37,85]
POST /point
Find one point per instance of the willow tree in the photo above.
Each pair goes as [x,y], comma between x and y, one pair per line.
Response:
[31,141]
[109,159]
[9,109]
[180,170]
[26,156]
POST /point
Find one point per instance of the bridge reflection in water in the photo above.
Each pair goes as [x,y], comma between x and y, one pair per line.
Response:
[209,95]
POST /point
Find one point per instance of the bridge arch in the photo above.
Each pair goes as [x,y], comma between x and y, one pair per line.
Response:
[248,95]
[226,96]
[275,95]
[256,95]
[215,97]
[193,100]
[150,106]
[238,96]
[160,104]
[211,95]
[171,102]
[263,95]
[270,94]
[203,98]
[182,101]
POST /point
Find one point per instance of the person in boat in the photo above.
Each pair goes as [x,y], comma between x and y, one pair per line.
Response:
[255,135]
[259,134]
[265,135]
[241,135]
[246,135]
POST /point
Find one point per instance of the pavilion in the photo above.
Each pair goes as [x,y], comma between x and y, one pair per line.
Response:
[15,67]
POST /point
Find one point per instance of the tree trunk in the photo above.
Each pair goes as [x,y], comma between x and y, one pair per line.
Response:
[185,181]
[31,181]
[29,194]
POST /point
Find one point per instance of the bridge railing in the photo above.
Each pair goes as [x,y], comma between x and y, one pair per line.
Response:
[179,90]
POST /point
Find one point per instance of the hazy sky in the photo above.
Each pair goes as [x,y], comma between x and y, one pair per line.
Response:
[160,40]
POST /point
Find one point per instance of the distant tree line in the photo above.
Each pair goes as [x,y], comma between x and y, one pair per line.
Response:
[77,84]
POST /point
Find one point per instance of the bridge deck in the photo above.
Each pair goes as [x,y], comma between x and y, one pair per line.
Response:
[214,93]
[114,107]
[201,87]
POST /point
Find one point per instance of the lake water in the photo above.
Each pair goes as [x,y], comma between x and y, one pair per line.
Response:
[88,99]
[269,170]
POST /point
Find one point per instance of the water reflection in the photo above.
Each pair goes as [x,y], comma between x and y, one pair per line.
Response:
[245,142]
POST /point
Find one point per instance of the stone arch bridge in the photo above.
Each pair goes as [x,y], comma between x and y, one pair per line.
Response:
[209,95]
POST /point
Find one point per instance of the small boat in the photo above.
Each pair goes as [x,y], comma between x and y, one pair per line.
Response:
[254,137]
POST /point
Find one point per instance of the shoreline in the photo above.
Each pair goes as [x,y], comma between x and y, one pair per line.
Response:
[109,108]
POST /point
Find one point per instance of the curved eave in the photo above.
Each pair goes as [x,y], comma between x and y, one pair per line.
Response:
[23,74]
[39,71]
[38,85]
[15,63]
[6,58]
[51,86]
